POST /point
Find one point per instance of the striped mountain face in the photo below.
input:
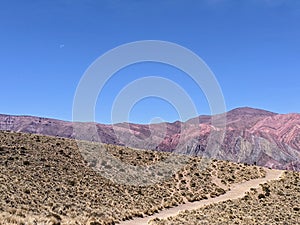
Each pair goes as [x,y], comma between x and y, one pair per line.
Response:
[251,136]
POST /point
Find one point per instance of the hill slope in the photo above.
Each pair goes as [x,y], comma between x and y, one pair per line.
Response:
[274,202]
[45,180]
[252,136]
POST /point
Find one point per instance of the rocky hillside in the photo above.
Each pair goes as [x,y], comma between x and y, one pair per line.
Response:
[251,136]
[274,202]
[46,181]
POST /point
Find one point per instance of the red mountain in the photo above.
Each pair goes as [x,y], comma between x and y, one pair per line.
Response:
[251,136]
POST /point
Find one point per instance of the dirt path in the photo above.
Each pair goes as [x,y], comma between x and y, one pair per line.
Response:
[236,191]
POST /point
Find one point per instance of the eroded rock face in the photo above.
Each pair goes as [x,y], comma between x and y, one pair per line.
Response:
[251,136]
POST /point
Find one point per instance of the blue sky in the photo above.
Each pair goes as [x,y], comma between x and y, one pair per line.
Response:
[252,46]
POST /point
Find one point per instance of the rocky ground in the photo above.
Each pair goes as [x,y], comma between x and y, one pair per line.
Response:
[46,180]
[274,202]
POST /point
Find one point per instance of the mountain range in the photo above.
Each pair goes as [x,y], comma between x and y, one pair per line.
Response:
[251,136]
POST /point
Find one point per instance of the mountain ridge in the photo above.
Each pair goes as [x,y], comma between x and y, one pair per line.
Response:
[252,136]
[244,109]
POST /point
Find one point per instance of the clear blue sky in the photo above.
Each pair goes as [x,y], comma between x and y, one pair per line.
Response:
[252,46]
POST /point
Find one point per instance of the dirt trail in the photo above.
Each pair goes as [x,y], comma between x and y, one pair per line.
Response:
[236,191]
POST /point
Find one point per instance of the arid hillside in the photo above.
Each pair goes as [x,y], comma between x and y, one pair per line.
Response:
[45,180]
[274,202]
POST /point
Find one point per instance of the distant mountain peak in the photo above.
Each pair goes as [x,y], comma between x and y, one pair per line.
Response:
[252,111]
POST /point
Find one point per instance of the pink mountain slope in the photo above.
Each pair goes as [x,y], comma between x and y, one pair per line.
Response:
[251,136]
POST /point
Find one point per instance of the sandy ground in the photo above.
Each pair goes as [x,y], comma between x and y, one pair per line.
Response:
[237,191]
